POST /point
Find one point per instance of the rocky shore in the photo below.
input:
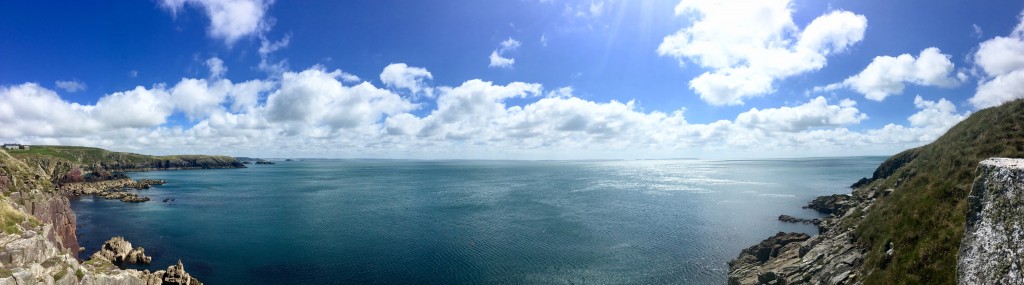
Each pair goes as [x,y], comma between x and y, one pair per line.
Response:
[831,257]
[38,241]
[111,189]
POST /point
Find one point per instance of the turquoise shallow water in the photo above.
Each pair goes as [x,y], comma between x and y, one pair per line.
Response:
[467,222]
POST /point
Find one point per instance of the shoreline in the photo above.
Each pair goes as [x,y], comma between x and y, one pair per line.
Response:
[39,238]
[830,257]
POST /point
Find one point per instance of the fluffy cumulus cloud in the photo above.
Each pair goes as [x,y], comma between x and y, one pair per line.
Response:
[70,86]
[887,75]
[230,20]
[316,102]
[498,58]
[1001,59]
[318,112]
[402,76]
[816,113]
[748,45]
[932,120]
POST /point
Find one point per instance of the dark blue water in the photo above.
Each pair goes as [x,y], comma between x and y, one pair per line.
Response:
[458,222]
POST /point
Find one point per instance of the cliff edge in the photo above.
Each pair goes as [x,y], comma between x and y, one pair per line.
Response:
[992,250]
[905,224]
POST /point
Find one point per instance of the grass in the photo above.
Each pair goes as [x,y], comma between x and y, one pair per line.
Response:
[10,218]
[925,216]
[96,158]
[100,265]
[79,274]
[92,155]
[60,274]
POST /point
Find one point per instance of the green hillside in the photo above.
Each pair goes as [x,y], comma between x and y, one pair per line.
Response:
[123,161]
[925,215]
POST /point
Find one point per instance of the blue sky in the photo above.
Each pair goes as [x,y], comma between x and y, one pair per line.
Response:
[504,79]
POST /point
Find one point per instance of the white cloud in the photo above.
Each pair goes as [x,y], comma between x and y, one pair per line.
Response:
[401,76]
[315,102]
[748,45]
[267,47]
[198,98]
[136,108]
[31,110]
[502,62]
[230,20]
[317,113]
[70,86]
[1002,61]
[928,124]
[816,113]
[886,75]
[497,56]
[939,115]
[217,68]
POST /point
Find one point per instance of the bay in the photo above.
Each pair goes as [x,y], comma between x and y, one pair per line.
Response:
[466,222]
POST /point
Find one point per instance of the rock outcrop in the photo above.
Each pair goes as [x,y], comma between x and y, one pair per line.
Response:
[795,220]
[992,250]
[175,274]
[832,204]
[118,251]
[111,189]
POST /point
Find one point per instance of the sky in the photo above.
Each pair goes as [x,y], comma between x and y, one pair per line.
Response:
[517,79]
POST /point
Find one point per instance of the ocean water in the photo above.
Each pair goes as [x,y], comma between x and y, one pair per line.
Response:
[467,222]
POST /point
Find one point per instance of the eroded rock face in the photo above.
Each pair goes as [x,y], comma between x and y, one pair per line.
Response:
[54,209]
[118,251]
[992,250]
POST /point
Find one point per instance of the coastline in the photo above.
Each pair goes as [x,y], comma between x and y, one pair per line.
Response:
[39,237]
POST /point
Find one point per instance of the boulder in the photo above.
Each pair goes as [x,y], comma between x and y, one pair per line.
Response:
[990,252]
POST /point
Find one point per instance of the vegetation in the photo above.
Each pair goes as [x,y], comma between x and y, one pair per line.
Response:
[60,274]
[924,217]
[96,158]
[11,218]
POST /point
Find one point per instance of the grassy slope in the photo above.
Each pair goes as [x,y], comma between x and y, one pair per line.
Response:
[96,156]
[925,216]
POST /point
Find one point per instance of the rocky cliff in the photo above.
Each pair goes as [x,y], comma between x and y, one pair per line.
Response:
[904,224]
[992,250]
[38,242]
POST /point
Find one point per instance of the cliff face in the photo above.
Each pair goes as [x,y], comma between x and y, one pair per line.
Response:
[992,251]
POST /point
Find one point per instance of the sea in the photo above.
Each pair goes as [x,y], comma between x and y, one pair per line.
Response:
[464,221]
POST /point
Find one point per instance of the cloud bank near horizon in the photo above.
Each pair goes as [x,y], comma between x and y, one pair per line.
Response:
[321,112]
